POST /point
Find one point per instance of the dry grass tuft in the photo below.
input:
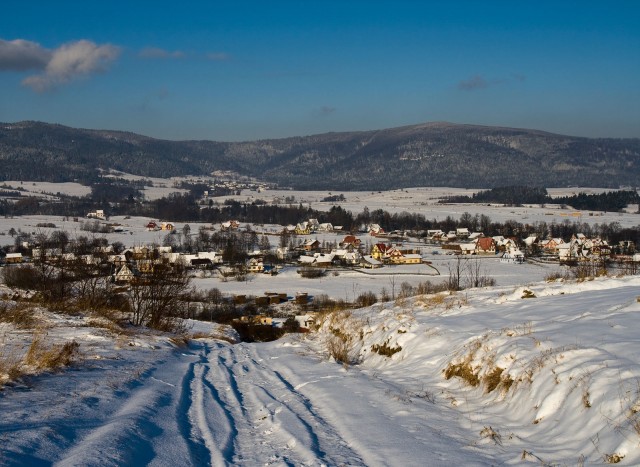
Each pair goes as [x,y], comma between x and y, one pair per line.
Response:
[385,350]
[43,356]
[104,323]
[9,367]
[613,458]
[464,371]
[528,294]
[339,349]
[493,379]
[493,435]
[181,340]
[20,315]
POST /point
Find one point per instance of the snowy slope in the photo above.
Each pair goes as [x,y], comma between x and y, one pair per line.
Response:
[568,392]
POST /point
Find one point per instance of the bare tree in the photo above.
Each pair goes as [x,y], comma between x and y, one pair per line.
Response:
[455,272]
[477,275]
[158,300]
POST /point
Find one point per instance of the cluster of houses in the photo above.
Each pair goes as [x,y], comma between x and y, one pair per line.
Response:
[143,260]
[305,322]
[348,253]
[124,266]
[578,248]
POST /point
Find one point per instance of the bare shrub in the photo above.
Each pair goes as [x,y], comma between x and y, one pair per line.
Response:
[339,349]
[312,273]
[556,275]
[22,277]
[19,315]
[345,330]
[366,299]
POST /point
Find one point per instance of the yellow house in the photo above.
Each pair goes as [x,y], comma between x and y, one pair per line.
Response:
[303,228]
[380,250]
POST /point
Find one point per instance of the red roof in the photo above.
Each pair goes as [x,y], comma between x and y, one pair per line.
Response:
[485,243]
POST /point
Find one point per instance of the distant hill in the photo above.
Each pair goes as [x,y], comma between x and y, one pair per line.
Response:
[430,154]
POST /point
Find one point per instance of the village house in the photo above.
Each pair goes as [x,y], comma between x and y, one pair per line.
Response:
[124,274]
[284,254]
[303,228]
[369,262]
[97,214]
[435,234]
[550,246]
[380,250]
[168,226]
[311,245]
[515,256]
[314,225]
[486,246]
[317,260]
[13,258]
[349,258]
[351,241]
[375,229]
[255,265]
[468,248]
[152,226]
[229,225]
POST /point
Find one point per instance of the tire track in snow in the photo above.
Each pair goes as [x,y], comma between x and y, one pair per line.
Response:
[197,450]
[206,422]
[278,417]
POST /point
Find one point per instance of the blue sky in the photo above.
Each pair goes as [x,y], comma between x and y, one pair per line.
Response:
[243,70]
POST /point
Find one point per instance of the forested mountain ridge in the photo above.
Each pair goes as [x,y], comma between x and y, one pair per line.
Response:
[430,154]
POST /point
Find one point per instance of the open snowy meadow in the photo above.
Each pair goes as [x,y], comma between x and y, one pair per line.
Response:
[528,372]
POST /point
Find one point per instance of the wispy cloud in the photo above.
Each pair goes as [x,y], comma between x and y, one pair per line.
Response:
[22,55]
[475,82]
[479,82]
[58,66]
[326,110]
[158,53]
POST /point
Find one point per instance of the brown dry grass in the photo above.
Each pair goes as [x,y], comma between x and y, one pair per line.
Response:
[44,356]
[20,315]
[464,371]
[181,340]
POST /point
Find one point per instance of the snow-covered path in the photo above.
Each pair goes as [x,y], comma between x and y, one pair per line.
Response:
[219,404]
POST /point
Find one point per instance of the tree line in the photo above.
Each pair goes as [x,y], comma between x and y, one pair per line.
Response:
[612,201]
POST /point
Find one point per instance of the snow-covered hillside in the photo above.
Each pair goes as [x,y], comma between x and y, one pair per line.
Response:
[548,373]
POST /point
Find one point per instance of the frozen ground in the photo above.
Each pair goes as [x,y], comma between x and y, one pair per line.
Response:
[571,353]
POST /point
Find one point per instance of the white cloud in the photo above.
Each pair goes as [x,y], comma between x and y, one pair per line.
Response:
[22,55]
[72,61]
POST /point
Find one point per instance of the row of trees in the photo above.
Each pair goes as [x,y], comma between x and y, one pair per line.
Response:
[612,201]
